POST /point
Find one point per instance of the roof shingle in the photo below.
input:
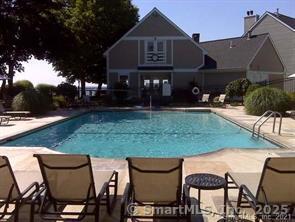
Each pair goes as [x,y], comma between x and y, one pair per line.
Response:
[285,19]
[232,53]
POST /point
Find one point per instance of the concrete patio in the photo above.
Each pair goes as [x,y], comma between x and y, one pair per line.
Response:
[219,162]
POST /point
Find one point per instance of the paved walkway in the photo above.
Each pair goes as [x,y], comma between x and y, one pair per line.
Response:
[219,162]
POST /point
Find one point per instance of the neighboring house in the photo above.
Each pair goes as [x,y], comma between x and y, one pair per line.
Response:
[156,51]
[282,31]
[253,57]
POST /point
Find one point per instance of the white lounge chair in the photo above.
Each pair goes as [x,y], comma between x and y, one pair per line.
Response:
[14,114]
[205,98]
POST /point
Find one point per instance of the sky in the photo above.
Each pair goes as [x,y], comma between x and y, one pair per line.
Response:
[213,19]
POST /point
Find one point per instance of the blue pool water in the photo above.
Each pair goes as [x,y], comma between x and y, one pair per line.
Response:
[155,134]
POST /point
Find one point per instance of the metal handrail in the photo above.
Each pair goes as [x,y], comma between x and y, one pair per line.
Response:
[268,114]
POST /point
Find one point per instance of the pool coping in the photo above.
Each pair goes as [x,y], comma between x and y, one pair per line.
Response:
[116,109]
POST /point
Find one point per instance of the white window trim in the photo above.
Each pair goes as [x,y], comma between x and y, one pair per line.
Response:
[155,41]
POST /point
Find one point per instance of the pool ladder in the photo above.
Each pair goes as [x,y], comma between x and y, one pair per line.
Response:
[268,114]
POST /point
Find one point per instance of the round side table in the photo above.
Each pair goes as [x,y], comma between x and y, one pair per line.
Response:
[206,181]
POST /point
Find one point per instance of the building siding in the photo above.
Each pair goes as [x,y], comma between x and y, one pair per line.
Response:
[181,80]
[217,81]
[155,25]
[124,55]
[186,55]
[267,59]
[283,38]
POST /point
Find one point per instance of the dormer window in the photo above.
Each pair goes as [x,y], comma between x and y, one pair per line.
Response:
[155,51]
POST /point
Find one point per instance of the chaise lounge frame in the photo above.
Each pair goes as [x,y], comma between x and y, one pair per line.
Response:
[128,199]
[103,197]
[248,199]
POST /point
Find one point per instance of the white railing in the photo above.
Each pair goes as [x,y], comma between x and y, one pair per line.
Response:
[268,114]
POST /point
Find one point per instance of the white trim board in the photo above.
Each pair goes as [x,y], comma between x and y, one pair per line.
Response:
[143,19]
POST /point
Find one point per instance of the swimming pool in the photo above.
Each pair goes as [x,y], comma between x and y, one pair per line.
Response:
[139,133]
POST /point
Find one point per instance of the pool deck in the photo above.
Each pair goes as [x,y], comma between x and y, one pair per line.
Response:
[219,162]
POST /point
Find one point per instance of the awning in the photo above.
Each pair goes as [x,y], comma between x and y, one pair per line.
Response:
[291,76]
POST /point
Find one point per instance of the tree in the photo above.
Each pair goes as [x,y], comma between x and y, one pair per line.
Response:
[29,28]
[96,25]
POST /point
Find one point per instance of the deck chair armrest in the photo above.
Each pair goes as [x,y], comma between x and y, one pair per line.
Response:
[248,195]
[33,188]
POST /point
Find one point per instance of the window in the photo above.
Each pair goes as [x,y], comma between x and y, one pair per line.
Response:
[156,83]
[124,79]
[160,46]
[155,51]
[146,83]
[150,46]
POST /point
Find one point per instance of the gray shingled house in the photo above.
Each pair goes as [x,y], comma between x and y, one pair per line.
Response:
[281,29]
[252,57]
[156,51]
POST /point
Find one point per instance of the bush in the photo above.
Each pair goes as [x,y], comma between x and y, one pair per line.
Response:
[252,88]
[67,90]
[237,88]
[59,101]
[121,91]
[292,99]
[46,89]
[266,98]
[20,86]
[31,100]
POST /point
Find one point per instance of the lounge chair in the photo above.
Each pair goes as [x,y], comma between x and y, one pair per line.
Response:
[291,113]
[4,119]
[220,101]
[14,114]
[205,98]
[72,188]
[13,193]
[154,182]
[268,191]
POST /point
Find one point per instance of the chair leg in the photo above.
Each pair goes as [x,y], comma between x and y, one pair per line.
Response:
[16,214]
[96,215]
[32,213]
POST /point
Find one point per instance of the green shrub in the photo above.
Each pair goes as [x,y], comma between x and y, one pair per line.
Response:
[28,100]
[59,101]
[252,87]
[46,89]
[20,86]
[292,98]
[266,98]
[45,102]
[237,87]
[67,90]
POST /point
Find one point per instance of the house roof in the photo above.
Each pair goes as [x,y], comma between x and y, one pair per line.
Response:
[285,19]
[143,19]
[232,53]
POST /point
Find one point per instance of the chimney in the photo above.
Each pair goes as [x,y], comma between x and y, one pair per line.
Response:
[196,37]
[249,20]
